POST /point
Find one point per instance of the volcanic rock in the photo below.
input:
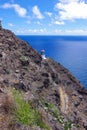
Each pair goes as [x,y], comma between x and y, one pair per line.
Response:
[23,68]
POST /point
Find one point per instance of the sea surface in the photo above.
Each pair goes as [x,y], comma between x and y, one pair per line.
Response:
[70,51]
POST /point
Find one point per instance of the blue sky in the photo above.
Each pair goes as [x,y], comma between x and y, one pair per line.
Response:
[40,17]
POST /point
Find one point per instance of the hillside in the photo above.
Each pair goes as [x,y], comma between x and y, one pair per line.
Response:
[52,89]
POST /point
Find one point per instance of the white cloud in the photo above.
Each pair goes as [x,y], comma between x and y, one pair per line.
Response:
[32,31]
[58,31]
[76,31]
[48,13]
[68,1]
[37,31]
[38,23]
[11,24]
[59,22]
[34,22]
[37,12]
[72,9]
[70,32]
[53,32]
[18,9]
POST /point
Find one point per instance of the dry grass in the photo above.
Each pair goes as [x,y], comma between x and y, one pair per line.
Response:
[6,107]
[64,100]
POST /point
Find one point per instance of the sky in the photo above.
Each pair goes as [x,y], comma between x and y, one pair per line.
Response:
[40,17]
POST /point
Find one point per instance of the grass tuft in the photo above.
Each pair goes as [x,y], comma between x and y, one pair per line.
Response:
[25,114]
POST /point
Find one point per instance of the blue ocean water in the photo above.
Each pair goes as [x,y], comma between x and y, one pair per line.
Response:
[70,51]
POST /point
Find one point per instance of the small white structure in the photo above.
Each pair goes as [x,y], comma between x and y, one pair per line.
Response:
[43,54]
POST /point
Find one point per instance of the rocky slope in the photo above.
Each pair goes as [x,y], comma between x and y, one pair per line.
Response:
[44,82]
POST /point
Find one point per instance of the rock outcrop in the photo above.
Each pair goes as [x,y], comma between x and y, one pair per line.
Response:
[41,80]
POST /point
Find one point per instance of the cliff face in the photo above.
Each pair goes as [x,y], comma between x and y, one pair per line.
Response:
[41,80]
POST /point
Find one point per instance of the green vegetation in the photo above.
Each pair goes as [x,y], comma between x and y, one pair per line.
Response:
[51,107]
[23,58]
[67,125]
[25,114]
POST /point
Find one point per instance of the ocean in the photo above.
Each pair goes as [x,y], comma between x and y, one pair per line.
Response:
[70,51]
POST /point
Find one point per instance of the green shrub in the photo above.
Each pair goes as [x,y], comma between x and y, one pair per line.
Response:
[67,125]
[51,107]
[25,114]
[23,58]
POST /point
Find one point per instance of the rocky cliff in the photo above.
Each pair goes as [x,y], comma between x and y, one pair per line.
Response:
[45,82]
